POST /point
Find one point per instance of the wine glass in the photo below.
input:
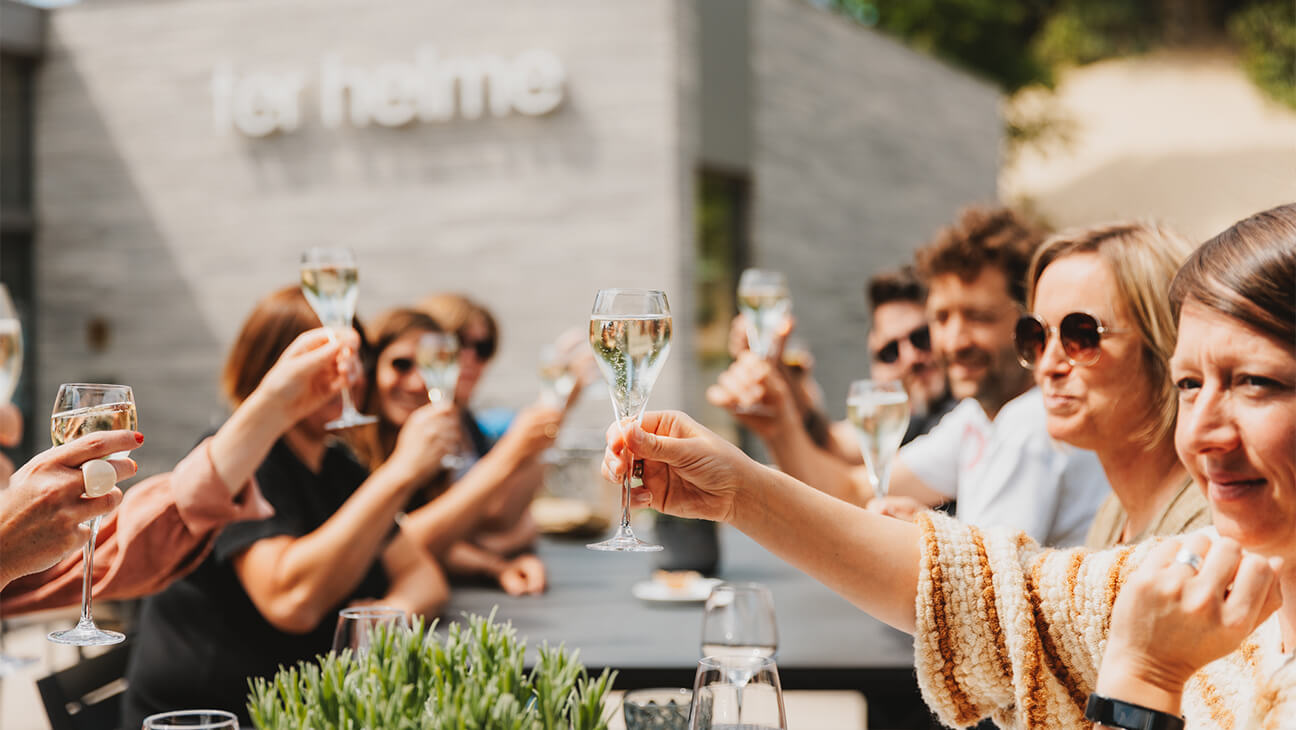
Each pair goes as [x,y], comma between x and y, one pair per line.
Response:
[356,625]
[880,414]
[437,357]
[630,331]
[738,621]
[192,720]
[764,302]
[11,357]
[331,285]
[79,409]
[557,379]
[737,693]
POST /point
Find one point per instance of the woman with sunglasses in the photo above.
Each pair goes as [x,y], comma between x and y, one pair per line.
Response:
[1171,633]
[1098,339]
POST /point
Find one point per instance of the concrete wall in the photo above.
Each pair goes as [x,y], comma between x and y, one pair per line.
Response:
[169,231]
[862,149]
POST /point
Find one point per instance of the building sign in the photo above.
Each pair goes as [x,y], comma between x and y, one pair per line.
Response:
[431,88]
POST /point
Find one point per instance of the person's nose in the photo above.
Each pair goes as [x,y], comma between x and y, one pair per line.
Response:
[1053,361]
[951,336]
[1206,423]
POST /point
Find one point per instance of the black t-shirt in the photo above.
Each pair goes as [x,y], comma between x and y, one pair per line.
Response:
[200,640]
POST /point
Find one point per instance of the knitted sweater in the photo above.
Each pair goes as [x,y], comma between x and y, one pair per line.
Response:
[1009,630]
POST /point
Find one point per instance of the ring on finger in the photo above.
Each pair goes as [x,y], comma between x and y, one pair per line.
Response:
[99,476]
[1189,558]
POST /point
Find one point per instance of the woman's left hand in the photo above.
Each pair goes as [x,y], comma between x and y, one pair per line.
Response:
[523,576]
[1170,619]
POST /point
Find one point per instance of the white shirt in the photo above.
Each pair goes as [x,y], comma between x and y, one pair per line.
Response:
[1009,473]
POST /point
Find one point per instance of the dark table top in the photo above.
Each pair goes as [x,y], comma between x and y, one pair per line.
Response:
[824,641]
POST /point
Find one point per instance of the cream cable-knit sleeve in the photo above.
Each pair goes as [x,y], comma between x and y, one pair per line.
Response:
[1008,630]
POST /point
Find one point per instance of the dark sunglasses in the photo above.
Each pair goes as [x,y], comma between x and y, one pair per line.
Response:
[483,349]
[1080,332]
[890,352]
[402,365]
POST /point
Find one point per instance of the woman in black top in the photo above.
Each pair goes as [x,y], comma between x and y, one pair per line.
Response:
[269,593]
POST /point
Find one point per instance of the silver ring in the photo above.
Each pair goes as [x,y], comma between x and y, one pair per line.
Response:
[1189,558]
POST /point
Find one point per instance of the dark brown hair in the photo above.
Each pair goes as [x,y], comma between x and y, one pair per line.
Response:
[455,311]
[898,285]
[1248,272]
[981,237]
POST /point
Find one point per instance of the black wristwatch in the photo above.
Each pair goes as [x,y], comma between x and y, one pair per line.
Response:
[1114,713]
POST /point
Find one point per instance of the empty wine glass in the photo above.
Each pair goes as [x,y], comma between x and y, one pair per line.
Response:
[630,331]
[330,282]
[79,409]
[738,621]
[764,302]
[356,625]
[192,720]
[880,414]
[11,357]
[737,693]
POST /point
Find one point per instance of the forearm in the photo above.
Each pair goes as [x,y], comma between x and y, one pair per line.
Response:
[244,441]
[870,560]
[796,455]
[465,558]
[457,512]
[418,585]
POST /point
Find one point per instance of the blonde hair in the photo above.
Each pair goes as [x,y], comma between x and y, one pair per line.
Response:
[1143,259]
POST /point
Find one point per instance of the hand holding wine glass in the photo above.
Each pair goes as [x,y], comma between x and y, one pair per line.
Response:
[80,409]
[630,332]
[880,414]
[331,284]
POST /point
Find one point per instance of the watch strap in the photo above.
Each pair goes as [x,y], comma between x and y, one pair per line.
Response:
[1129,716]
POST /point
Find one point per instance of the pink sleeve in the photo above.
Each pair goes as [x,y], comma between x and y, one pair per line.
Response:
[163,529]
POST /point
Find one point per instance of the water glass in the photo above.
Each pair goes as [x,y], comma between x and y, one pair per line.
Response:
[738,621]
[657,709]
[737,693]
[192,720]
[355,627]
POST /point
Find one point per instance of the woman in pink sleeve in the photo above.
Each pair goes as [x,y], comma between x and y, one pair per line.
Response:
[166,524]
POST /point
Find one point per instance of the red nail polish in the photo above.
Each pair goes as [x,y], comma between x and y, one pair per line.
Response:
[139,437]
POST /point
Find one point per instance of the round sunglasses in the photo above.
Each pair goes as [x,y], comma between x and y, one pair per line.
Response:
[920,338]
[1080,332]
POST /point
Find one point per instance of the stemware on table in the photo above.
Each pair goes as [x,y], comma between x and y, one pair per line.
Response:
[79,409]
[192,720]
[738,621]
[330,282]
[356,625]
[737,693]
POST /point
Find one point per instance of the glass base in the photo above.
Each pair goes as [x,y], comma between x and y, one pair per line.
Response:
[10,664]
[86,634]
[624,541]
[350,420]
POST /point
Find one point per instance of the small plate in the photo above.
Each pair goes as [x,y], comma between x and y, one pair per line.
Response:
[695,591]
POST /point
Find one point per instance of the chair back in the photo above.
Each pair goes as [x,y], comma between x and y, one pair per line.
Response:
[87,695]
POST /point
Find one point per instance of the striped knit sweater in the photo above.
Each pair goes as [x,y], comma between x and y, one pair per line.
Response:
[1009,630]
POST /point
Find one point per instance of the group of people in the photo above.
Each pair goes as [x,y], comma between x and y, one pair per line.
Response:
[1114,386]
[251,545]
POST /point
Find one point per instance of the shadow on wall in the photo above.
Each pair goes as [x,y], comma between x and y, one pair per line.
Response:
[113,305]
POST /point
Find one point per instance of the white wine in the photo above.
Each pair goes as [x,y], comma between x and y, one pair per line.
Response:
[439,367]
[71,425]
[880,419]
[631,352]
[764,308]
[11,357]
[556,383]
[332,292]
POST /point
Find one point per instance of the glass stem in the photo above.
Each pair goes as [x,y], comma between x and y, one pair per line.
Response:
[348,407]
[625,498]
[86,617]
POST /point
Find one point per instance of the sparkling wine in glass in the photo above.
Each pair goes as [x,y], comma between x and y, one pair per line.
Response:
[11,356]
[79,409]
[764,302]
[721,703]
[630,331]
[437,358]
[880,414]
[557,378]
[330,282]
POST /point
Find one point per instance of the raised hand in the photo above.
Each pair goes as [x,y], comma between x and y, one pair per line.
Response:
[310,372]
[431,432]
[688,470]
[533,430]
[754,390]
[524,575]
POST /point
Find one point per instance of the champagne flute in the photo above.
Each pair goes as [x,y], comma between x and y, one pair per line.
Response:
[331,285]
[721,703]
[11,357]
[79,409]
[764,302]
[630,332]
[557,379]
[192,720]
[437,358]
[880,414]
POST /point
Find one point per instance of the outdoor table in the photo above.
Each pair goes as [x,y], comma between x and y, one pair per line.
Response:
[824,641]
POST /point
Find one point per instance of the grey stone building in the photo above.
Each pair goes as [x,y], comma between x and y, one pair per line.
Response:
[187,151]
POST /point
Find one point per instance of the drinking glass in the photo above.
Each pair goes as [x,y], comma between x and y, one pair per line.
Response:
[657,709]
[630,331]
[738,621]
[79,409]
[737,693]
[356,625]
[11,356]
[764,302]
[331,285]
[437,358]
[557,379]
[192,720]
[880,414]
